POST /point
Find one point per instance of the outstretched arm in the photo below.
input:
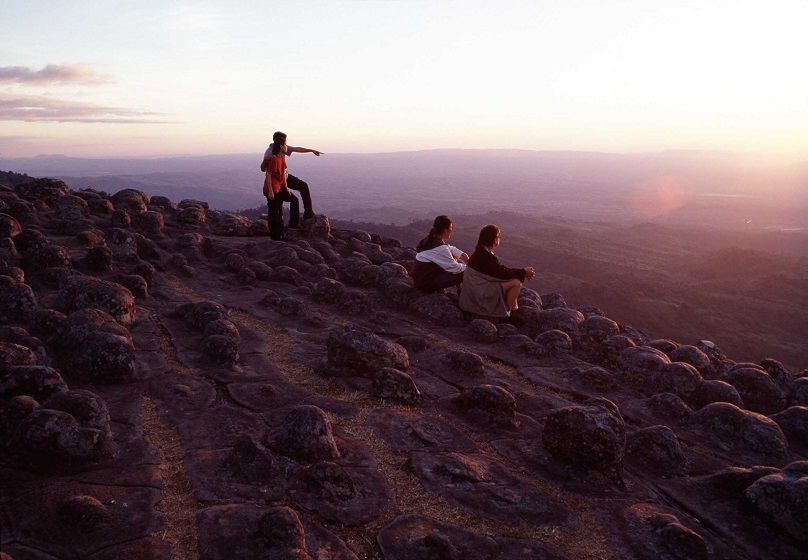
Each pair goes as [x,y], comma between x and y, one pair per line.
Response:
[299,150]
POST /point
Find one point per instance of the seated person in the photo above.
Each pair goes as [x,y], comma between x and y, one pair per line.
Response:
[436,262]
[490,288]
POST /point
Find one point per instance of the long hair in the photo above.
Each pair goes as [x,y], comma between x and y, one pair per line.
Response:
[278,140]
[487,235]
[441,223]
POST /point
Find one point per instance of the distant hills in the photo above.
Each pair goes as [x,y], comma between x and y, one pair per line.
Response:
[697,188]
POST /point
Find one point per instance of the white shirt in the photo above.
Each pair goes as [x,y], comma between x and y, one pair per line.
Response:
[445,256]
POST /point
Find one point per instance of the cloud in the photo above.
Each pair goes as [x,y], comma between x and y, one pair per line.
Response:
[31,108]
[54,74]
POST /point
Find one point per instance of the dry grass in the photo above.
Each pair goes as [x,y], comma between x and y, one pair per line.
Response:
[587,542]
[177,504]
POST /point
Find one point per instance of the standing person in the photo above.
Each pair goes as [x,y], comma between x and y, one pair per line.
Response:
[276,191]
[438,265]
[491,288]
[293,182]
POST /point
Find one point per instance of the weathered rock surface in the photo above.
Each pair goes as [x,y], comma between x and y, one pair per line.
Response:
[306,401]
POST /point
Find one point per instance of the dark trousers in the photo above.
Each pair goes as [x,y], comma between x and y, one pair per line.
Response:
[440,281]
[303,188]
[275,212]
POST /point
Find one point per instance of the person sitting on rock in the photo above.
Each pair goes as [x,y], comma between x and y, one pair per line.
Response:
[276,190]
[490,288]
[438,265]
[291,181]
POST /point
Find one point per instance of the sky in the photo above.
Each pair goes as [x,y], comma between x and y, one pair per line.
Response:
[151,78]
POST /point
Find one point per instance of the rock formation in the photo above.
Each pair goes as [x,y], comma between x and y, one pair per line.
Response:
[173,382]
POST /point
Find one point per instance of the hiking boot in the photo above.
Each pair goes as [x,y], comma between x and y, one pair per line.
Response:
[308,215]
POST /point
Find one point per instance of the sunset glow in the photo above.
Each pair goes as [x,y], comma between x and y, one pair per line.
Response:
[154,78]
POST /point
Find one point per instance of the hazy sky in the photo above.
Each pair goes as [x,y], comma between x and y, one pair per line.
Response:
[145,77]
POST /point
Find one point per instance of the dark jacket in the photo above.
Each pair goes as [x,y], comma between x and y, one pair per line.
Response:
[486,262]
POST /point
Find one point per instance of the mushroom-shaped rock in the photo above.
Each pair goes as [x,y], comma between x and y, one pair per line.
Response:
[131,200]
[17,303]
[529,298]
[611,348]
[16,355]
[358,350]
[45,322]
[678,378]
[49,256]
[30,240]
[91,347]
[595,330]
[669,405]
[395,385]
[663,345]
[657,449]
[713,390]
[152,223]
[794,423]
[306,435]
[225,223]
[553,300]
[72,208]
[221,349]
[280,535]
[39,382]
[777,371]
[135,284]
[467,363]
[536,321]
[798,392]
[783,498]
[200,314]
[695,357]
[81,292]
[740,430]
[98,259]
[438,309]
[54,439]
[483,331]
[163,202]
[640,362]
[122,243]
[653,534]
[192,216]
[85,406]
[48,190]
[760,393]
[251,461]
[556,341]
[491,403]
[592,436]
[9,227]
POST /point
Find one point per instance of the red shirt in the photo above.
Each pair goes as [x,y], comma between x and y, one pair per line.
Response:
[276,171]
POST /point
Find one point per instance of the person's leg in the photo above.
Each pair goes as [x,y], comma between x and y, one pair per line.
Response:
[272,219]
[302,187]
[277,215]
[511,288]
[447,280]
[294,208]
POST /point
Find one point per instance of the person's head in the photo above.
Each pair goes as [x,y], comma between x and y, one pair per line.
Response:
[278,142]
[489,236]
[442,227]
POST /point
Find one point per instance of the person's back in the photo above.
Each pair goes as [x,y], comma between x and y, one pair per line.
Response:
[436,262]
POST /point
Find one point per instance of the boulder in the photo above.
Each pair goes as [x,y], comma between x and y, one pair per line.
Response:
[794,423]
[713,390]
[280,535]
[438,309]
[72,208]
[783,499]
[132,201]
[678,378]
[555,341]
[91,347]
[760,393]
[306,435]
[798,392]
[47,190]
[395,385]
[17,303]
[39,382]
[553,300]
[251,461]
[695,357]
[9,226]
[654,534]
[98,259]
[466,363]
[361,352]
[81,292]
[483,331]
[529,298]
[657,449]
[736,430]
[200,314]
[590,436]
[536,321]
